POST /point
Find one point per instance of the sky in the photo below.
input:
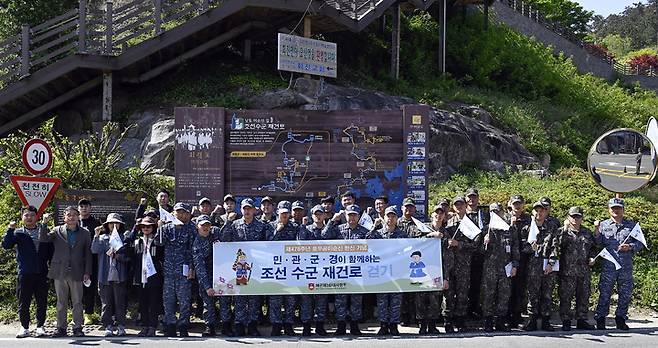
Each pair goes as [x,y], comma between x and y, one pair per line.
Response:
[606,7]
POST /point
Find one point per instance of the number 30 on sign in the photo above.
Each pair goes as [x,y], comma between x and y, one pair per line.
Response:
[37,157]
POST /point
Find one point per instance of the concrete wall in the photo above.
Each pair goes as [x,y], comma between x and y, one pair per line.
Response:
[584,62]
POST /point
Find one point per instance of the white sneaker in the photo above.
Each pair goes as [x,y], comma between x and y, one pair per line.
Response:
[108,331]
[22,333]
[40,332]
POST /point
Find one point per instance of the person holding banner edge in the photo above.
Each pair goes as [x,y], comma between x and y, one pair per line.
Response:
[428,303]
[349,230]
[283,229]
[202,250]
[314,304]
[388,305]
[245,229]
[614,234]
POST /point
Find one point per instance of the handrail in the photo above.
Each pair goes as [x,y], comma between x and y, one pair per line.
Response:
[109,31]
[527,10]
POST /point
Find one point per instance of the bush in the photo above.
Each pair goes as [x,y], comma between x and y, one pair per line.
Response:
[644,62]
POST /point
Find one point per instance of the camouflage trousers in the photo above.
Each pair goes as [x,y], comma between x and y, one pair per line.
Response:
[540,293]
[496,293]
[388,308]
[624,280]
[313,304]
[177,294]
[288,302]
[428,305]
[578,287]
[247,309]
[210,311]
[354,308]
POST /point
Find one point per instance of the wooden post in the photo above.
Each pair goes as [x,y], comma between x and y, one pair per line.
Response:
[107,96]
[25,50]
[307,33]
[82,26]
[108,28]
[246,54]
[395,43]
[442,36]
[486,15]
[157,13]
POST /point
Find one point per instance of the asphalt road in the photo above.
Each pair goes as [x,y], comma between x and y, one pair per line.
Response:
[617,172]
[637,338]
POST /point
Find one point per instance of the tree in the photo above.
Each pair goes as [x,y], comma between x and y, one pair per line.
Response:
[14,13]
[617,45]
[567,14]
[637,22]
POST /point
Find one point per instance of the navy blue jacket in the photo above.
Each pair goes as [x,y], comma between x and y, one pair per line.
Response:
[29,260]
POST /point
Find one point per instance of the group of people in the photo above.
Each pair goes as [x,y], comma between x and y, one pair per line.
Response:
[496,275]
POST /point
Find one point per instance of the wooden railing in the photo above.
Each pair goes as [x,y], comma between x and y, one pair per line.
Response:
[527,10]
[110,31]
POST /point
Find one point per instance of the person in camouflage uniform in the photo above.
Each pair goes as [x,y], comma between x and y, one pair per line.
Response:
[614,235]
[577,252]
[349,230]
[245,229]
[540,279]
[388,305]
[202,255]
[548,204]
[501,252]
[428,303]
[408,226]
[177,241]
[283,229]
[517,218]
[481,219]
[313,304]
[462,247]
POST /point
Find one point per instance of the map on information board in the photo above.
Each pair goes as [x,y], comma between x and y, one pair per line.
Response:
[311,154]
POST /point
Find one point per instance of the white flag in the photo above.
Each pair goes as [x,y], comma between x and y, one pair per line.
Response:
[606,255]
[497,223]
[534,232]
[421,226]
[638,235]
[115,240]
[469,228]
[148,268]
[166,217]
[366,221]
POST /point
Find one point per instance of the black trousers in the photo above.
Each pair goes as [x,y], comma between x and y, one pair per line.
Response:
[90,296]
[150,303]
[32,285]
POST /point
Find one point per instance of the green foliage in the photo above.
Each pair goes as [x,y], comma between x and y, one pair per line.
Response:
[618,45]
[637,22]
[568,187]
[14,13]
[566,13]
[641,52]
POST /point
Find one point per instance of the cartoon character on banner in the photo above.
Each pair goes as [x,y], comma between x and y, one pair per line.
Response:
[417,267]
[242,268]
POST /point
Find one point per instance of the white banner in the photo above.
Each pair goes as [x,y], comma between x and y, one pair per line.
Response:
[327,266]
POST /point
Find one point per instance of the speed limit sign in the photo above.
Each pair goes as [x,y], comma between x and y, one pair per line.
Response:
[37,157]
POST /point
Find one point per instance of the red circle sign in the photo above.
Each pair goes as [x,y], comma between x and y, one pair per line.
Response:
[37,157]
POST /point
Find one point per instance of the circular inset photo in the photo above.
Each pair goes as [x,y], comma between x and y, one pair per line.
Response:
[622,160]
